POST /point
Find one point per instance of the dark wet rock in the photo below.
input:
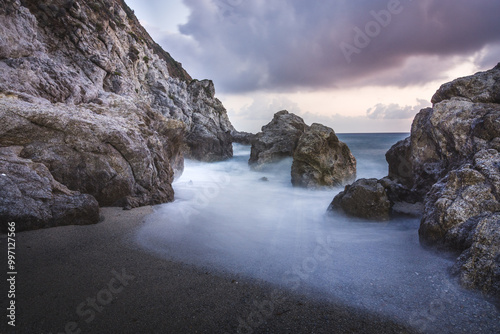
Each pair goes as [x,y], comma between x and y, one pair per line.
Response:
[404,200]
[321,160]
[365,198]
[399,159]
[277,140]
[244,138]
[30,197]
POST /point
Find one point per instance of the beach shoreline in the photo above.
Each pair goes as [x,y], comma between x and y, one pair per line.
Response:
[94,279]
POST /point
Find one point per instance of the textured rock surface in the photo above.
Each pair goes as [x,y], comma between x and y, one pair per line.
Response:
[321,160]
[481,87]
[478,267]
[277,140]
[209,137]
[244,138]
[79,51]
[455,202]
[451,161]
[86,92]
[448,135]
[31,197]
[399,159]
[365,198]
[121,156]
[456,168]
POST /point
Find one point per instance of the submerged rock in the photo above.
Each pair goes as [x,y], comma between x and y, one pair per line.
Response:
[30,197]
[277,140]
[321,160]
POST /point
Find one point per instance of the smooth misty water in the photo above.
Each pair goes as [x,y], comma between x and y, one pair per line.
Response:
[226,218]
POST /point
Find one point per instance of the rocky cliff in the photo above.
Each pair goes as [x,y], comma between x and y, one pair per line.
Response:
[87,93]
[451,163]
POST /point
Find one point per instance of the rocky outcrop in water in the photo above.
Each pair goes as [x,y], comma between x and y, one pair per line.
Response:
[277,140]
[365,198]
[451,162]
[377,200]
[87,93]
[321,159]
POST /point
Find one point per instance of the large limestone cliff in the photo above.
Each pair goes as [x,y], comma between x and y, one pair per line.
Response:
[87,93]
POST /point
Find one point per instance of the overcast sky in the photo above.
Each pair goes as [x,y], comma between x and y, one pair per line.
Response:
[356,66]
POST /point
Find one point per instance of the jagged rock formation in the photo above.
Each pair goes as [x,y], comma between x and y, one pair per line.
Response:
[86,92]
[35,199]
[209,130]
[322,160]
[451,162]
[277,140]
[81,52]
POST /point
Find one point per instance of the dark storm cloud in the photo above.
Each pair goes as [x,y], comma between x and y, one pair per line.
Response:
[295,44]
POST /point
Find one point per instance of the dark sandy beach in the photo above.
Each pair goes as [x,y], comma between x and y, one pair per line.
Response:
[93,279]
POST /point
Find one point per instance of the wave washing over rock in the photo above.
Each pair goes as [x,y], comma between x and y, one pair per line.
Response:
[229,218]
[451,163]
[86,92]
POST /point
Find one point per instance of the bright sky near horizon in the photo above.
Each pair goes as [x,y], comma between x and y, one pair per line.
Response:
[356,66]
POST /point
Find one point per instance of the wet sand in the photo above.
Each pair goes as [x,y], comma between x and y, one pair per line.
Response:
[94,279]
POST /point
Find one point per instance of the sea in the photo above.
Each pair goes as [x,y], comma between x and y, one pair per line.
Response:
[230,219]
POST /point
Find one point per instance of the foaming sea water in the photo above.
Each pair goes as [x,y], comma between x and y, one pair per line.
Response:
[255,224]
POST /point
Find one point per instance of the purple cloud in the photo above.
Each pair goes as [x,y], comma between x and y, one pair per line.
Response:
[285,45]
